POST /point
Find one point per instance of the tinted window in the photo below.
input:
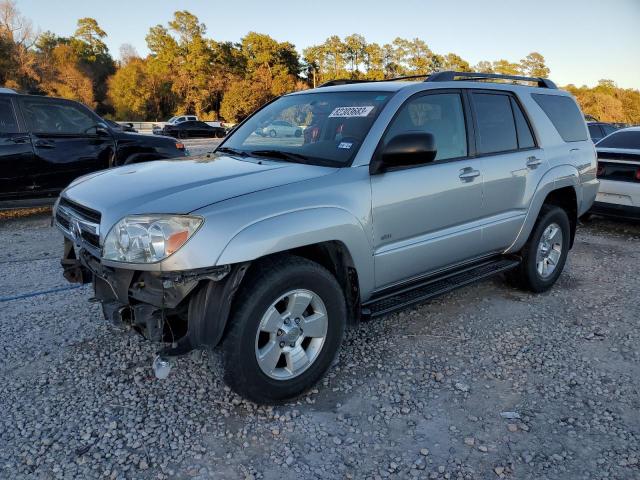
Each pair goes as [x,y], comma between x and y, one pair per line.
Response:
[54,117]
[608,129]
[565,116]
[595,132]
[628,139]
[496,126]
[8,122]
[438,114]
[525,137]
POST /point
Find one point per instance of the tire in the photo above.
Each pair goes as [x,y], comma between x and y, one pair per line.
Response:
[273,133]
[219,134]
[244,341]
[527,276]
[298,133]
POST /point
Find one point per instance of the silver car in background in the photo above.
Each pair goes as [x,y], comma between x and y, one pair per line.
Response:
[394,192]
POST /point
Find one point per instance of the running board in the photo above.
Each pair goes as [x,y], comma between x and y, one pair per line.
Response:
[406,295]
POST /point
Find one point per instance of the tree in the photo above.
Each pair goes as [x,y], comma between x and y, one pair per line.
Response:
[355,47]
[451,61]
[88,39]
[130,92]
[505,67]
[533,65]
[18,64]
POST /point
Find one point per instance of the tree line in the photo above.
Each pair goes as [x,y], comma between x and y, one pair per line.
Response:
[186,71]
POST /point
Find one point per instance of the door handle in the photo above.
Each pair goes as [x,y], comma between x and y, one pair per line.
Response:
[45,144]
[533,162]
[468,174]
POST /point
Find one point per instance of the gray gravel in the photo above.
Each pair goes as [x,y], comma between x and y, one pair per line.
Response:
[486,382]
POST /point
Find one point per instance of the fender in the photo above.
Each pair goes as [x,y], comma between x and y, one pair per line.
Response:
[557,177]
[301,228]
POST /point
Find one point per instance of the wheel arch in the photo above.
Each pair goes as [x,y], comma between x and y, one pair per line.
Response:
[561,187]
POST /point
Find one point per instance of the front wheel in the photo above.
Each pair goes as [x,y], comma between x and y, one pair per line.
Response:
[286,329]
[545,253]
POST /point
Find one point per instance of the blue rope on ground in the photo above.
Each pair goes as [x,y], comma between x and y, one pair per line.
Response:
[43,292]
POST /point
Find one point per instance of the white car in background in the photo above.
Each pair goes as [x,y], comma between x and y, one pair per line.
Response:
[280,128]
[619,174]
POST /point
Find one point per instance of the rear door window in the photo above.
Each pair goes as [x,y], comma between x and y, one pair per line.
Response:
[8,121]
[525,136]
[564,114]
[608,129]
[496,128]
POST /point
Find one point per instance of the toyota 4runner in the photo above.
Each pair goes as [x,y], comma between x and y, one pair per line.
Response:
[394,192]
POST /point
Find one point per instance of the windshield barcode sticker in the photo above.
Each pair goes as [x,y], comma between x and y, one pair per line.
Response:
[346,112]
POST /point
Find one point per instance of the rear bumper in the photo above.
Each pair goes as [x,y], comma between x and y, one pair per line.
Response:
[616,210]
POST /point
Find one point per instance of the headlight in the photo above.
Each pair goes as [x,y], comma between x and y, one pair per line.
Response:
[148,238]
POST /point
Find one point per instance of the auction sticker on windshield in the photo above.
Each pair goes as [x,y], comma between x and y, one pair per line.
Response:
[346,112]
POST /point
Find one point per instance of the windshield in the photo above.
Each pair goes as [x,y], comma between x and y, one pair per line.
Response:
[317,128]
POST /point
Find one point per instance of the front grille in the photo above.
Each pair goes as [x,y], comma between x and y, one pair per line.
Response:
[79,223]
[91,239]
[83,212]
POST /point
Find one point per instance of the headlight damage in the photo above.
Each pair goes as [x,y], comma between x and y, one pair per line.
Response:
[148,238]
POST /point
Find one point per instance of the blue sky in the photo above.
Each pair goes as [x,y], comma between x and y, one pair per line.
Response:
[582,40]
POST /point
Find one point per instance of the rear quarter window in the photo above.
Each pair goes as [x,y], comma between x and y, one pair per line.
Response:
[565,116]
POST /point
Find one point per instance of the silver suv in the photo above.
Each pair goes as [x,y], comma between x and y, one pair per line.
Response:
[393,193]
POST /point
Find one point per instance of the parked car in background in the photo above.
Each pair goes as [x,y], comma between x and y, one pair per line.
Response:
[599,130]
[45,143]
[193,129]
[619,174]
[157,129]
[397,192]
[280,128]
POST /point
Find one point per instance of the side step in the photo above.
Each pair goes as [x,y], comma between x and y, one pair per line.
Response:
[388,301]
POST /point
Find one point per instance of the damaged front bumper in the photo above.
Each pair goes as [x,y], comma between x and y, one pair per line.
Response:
[184,309]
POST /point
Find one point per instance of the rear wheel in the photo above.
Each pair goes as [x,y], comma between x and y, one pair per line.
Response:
[286,329]
[272,133]
[545,253]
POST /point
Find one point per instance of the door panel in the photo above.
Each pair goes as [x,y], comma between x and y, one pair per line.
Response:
[425,219]
[512,169]
[65,142]
[428,217]
[16,154]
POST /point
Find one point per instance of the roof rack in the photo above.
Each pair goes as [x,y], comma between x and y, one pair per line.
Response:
[449,76]
[347,81]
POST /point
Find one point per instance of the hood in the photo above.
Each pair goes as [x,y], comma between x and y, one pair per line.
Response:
[183,185]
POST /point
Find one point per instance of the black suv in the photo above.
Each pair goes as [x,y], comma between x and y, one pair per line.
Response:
[45,143]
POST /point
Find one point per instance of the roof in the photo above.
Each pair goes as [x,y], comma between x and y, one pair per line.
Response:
[395,86]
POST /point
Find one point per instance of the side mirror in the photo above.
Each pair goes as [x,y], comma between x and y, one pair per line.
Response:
[405,150]
[102,130]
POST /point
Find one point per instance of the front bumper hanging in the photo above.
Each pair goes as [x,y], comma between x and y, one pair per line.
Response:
[186,309]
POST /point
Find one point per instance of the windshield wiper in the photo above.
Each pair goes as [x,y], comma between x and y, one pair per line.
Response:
[232,151]
[290,156]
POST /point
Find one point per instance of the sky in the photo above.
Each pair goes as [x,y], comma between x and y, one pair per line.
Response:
[583,41]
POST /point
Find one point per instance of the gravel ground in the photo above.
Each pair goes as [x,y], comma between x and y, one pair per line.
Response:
[485,382]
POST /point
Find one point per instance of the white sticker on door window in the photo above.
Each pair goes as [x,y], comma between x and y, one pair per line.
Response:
[347,112]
